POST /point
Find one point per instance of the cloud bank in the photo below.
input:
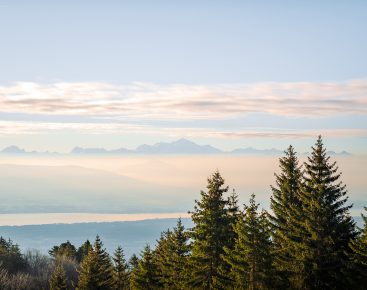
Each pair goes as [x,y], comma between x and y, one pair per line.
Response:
[32,128]
[180,101]
[182,110]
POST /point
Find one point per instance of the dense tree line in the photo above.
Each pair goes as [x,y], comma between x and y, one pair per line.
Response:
[307,241]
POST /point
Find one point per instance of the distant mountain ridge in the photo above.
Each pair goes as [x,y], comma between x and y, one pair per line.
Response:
[80,150]
[181,146]
[13,149]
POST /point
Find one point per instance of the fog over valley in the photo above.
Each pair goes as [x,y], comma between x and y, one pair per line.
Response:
[143,184]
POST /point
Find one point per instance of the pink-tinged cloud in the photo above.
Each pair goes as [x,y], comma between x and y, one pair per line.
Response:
[330,133]
[32,128]
[180,101]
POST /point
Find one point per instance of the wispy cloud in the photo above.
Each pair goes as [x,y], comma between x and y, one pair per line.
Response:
[153,111]
[330,133]
[32,128]
[179,101]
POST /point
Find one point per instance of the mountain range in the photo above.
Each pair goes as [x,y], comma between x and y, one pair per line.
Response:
[181,146]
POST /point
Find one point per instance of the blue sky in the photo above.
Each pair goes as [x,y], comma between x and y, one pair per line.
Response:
[229,73]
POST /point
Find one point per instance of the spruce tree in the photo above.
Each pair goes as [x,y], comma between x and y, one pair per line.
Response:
[145,276]
[327,227]
[233,215]
[133,262]
[10,256]
[210,234]
[58,279]
[120,271]
[96,269]
[250,258]
[359,257]
[172,256]
[132,266]
[83,250]
[287,213]
[162,252]
[104,264]
[89,272]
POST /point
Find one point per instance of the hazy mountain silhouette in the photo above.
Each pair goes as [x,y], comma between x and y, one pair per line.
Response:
[99,151]
[13,149]
[181,146]
[253,151]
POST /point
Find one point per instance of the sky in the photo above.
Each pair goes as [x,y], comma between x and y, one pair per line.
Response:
[227,73]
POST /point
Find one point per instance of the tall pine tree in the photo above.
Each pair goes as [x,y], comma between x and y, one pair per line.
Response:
[146,276]
[58,279]
[287,213]
[162,252]
[89,272]
[10,256]
[133,262]
[327,227]
[120,271]
[359,257]
[250,258]
[96,269]
[83,250]
[104,264]
[233,214]
[172,256]
[210,234]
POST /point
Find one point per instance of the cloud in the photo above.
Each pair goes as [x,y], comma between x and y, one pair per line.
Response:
[180,101]
[330,133]
[32,128]
[173,110]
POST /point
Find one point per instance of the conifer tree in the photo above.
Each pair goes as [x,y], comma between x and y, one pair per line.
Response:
[287,212]
[162,252]
[327,227]
[96,269]
[89,272]
[58,279]
[233,215]
[120,273]
[104,264]
[359,257]
[172,256]
[145,276]
[250,258]
[133,262]
[10,256]
[83,250]
[210,234]
[132,266]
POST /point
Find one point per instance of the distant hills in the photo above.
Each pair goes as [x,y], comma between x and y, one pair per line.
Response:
[20,151]
[181,146]
[132,235]
[72,188]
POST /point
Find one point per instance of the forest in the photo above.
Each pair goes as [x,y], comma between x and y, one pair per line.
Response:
[307,240]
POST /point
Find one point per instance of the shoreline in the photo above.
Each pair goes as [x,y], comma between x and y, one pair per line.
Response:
[26,219]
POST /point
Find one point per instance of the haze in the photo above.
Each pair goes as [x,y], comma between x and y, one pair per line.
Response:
[143,184]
